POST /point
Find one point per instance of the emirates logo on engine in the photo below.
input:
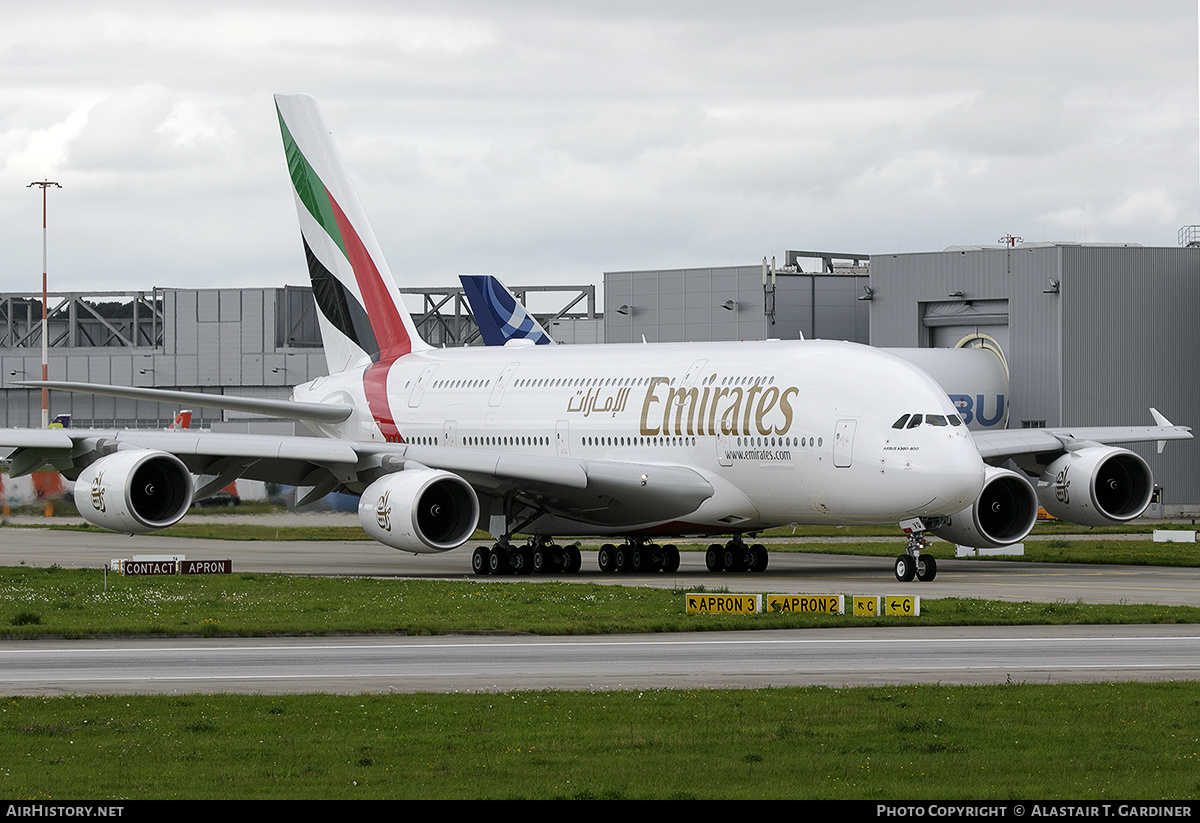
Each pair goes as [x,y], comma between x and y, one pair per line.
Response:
[98,492]
[1062,487]
[383,512]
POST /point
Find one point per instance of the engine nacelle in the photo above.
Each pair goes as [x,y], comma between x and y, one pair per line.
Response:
[1096,486]
[134,491]
[1005,511]
[419,510]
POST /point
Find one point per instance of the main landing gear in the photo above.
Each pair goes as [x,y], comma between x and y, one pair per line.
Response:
[537,556]
[912,563]
[736,556]
[638,556]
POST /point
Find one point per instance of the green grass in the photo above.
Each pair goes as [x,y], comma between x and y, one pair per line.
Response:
[36,602]
[1092,742]
[1095,742]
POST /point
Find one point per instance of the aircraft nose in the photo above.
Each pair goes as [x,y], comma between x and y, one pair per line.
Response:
[959,476]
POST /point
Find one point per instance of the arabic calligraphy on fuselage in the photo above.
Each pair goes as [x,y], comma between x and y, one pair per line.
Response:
[732,410]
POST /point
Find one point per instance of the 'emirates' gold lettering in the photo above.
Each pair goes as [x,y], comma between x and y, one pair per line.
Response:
[730,411]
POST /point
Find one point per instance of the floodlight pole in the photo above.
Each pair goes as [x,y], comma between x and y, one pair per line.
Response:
[44,184]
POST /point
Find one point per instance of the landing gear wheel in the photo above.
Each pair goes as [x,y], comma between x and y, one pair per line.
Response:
[522,561]
[712,558]
[621,559]
[479,560]
[732,559]
[572,561]
[670,563]
[906,568]
[637,560]
[606,557]
[541,559]
[496,562]
[926,568]
[758,558]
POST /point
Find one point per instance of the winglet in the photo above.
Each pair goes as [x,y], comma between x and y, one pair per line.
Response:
[1161,420]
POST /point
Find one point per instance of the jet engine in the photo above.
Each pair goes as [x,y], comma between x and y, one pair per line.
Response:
[419,510]
[1005,511]
[1096,486]
[134,491]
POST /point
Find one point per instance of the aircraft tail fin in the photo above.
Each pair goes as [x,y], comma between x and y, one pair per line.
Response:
[361,313]
[498,313]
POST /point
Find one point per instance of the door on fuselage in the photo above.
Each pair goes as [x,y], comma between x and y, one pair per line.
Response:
[843,443]
[562,441]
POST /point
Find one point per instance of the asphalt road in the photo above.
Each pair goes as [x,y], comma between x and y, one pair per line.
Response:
[788,572]
[832,657]
[1044,654]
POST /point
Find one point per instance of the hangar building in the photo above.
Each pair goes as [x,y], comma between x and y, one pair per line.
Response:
[1091,334]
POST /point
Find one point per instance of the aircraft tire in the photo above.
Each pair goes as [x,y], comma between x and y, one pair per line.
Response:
[541,560]
[497,562]
[758,558]
[621,560]
[906,568]
[522,561]
[926,569]
[480,563]
[606,557]
[732,560]
[670,563]
[712,558]
[572,560]
[638,560]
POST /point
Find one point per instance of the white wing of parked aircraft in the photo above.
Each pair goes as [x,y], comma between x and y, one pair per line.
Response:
[640,442]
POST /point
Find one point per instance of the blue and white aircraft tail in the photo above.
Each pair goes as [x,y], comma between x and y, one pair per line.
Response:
[499,314]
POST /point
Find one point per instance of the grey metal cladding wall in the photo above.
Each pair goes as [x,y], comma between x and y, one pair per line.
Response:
[689,305]
[1120,335]
[1130,340]
[683,304]
[837,312]
[1034,349]
[907,285]
[903,282]
[217,340]
[1130,330]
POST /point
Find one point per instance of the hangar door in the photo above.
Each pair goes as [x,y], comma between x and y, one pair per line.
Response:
[972,324]
[945,324]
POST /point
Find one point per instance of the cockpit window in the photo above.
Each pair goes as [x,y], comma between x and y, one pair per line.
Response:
[912,421]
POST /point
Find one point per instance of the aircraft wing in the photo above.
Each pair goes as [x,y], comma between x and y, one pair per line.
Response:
[324,412]
[597,491]
[1013,443]
[601,492]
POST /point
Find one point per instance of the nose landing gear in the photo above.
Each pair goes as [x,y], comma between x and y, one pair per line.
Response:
[912,563]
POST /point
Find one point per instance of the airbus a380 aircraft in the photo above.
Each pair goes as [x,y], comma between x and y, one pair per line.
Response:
[634,441]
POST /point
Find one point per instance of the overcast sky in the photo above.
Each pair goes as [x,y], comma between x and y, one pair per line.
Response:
[549,142]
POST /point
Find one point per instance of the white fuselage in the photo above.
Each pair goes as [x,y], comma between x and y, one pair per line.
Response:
[784,431]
